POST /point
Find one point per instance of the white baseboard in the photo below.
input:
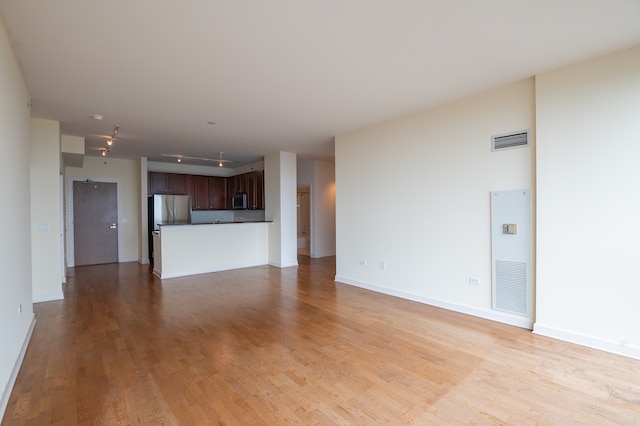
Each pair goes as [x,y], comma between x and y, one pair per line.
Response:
[323,254]
[71,262]
[39,298]
[16,369]
[143,261]
[284,264]
[618,348]
[501,317]
[217,268]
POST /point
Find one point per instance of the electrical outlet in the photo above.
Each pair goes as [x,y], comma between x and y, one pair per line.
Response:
[383,266]
[363,262]
[474,281]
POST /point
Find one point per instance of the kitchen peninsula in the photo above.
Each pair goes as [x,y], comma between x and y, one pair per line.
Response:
[215,234]
[191,249]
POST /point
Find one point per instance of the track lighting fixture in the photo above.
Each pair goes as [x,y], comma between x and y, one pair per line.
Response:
[179,158]
[110,140]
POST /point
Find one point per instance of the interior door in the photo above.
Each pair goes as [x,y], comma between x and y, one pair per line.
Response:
[95,222]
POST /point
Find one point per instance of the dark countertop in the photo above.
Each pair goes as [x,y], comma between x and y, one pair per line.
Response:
[217,222]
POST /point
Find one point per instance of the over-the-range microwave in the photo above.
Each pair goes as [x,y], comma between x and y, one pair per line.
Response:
[239,201]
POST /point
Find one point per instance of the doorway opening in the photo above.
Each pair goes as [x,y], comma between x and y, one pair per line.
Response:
[304,220]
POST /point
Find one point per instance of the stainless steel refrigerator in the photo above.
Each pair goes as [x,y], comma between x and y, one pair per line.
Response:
[171,209]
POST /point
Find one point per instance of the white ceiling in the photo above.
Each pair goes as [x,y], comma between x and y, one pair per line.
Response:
[284,75]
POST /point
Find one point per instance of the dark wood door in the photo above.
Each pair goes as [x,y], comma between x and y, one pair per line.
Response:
[95,222]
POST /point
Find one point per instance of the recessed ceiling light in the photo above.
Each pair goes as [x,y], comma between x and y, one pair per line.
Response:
[97,116]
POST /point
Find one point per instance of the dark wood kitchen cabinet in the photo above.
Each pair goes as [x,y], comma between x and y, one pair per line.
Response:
[217,193]
[256,196]
[202,192]
[198,190]
[210,192]
[191,189]
[238,184]
[167,183]
[157,183]
[207,192]
[177,184]
[252,184]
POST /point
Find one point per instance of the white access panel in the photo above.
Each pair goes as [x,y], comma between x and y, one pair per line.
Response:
[511,252]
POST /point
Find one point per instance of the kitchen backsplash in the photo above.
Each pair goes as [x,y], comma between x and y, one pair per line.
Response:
[212,216]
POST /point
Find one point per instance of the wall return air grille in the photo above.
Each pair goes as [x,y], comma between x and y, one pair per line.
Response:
[511,252]
[510,141]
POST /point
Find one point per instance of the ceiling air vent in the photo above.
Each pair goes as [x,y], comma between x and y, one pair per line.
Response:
[510,141]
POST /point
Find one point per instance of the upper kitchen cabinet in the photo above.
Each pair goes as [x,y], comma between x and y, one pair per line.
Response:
[210,192]
[217,193]
[252,184]
[207,192]
[238,184]
[167,183]
[157,183]
[256,200]
[200,193]
[192,190]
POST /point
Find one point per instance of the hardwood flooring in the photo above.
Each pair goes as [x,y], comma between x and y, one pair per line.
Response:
[289,346]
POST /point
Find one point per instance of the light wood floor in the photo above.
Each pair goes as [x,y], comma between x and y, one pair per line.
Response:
[289,346]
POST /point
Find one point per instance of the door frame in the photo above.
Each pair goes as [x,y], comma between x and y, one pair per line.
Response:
[63,252]
[312,230]
[71,261]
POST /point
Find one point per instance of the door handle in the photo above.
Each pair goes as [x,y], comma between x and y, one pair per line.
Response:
[112,226]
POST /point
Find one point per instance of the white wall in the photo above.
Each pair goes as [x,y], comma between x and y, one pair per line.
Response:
[413,193]
[15,244]
[211,170]
[280,207]
[143,217]
[127,174]
[199,249]
[588,207]
[320,177]
[45,210]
